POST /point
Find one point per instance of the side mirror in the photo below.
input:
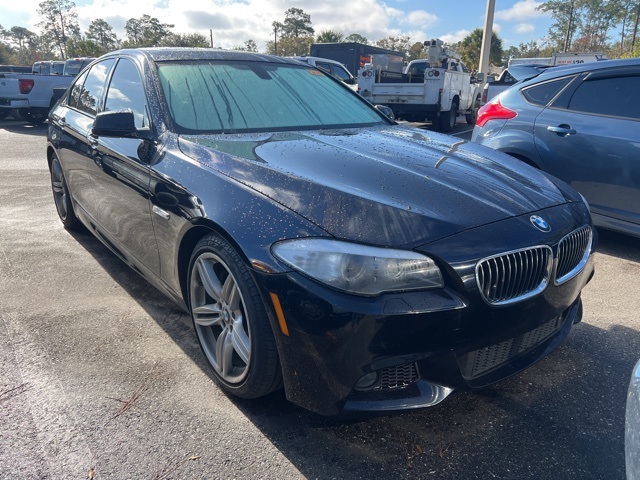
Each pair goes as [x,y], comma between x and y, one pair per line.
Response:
[480,77]
[386,111]
[117,124]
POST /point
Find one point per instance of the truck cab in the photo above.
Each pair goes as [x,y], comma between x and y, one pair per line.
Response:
[48,67]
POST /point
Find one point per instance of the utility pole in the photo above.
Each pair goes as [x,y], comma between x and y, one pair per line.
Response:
[485,51]
[211,36]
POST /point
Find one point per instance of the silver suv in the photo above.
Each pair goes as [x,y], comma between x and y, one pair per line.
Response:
[580,123]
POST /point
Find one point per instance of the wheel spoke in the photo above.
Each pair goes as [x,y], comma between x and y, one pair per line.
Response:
[241,341]
[57,186]
[209,279]
[224,353]
[62,205]
[230,293]
[207,315]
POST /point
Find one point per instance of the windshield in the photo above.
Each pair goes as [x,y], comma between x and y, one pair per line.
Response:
[234,97]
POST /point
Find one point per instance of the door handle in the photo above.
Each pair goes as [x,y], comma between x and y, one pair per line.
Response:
[92,141]
[563,130]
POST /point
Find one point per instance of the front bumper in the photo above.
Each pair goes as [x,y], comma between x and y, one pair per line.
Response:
[419,346]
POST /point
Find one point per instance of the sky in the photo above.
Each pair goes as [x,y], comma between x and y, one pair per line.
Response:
[235,21]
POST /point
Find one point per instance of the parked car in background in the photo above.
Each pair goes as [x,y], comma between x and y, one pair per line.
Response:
[579,123]
[509,77]
[332,67]
[317,245]
[632,426]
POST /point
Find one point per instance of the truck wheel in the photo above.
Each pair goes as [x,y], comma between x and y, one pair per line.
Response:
[473,116]
[34,116]
[448,119]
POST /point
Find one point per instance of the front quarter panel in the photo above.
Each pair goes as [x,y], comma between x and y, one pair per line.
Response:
[194,195]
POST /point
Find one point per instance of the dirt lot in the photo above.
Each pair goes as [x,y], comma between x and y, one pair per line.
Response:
[99,371]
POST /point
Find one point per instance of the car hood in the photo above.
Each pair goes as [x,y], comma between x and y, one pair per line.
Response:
[388,185]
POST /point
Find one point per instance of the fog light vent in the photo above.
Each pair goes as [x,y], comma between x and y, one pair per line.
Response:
[397,377]
[389,378]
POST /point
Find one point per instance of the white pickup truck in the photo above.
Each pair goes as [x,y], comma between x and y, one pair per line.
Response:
[29,97]
[437,88]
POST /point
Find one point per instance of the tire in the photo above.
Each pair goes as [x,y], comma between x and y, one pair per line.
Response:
[231,322]
[473,116]
[34,116]
[447,119]
[62,196]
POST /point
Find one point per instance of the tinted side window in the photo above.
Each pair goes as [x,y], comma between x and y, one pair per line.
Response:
[617,96]
[126,92]
[417,69]
[93,86]
[324,66]
[543,93]
[341,73]
[76,90]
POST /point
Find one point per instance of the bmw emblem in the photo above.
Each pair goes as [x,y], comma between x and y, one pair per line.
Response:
[540,223]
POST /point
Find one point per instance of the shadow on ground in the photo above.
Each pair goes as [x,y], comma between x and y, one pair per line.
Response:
[562,418]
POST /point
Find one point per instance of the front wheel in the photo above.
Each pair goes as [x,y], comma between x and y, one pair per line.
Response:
[230,320]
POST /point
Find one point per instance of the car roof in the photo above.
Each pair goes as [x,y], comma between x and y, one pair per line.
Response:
[160,54]
[317,59]
[562,70]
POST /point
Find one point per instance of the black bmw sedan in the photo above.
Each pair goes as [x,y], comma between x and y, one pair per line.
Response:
[318,246]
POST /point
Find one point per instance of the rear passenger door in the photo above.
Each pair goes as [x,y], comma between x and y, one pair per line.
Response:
[589,138]
[77,116]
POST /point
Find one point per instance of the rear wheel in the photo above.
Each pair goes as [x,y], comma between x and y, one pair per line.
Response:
[230,320]
[62,196]
[447,119]
[473,116]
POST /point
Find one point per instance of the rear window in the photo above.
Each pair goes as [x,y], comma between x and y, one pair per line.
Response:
[73,67]
[543,93]
[232,97]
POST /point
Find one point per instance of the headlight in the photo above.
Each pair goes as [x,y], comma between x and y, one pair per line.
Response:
[359,269]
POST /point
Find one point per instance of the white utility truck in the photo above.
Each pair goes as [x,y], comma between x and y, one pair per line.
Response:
[437,88]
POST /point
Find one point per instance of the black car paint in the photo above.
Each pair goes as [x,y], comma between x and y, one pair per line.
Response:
[361,186]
